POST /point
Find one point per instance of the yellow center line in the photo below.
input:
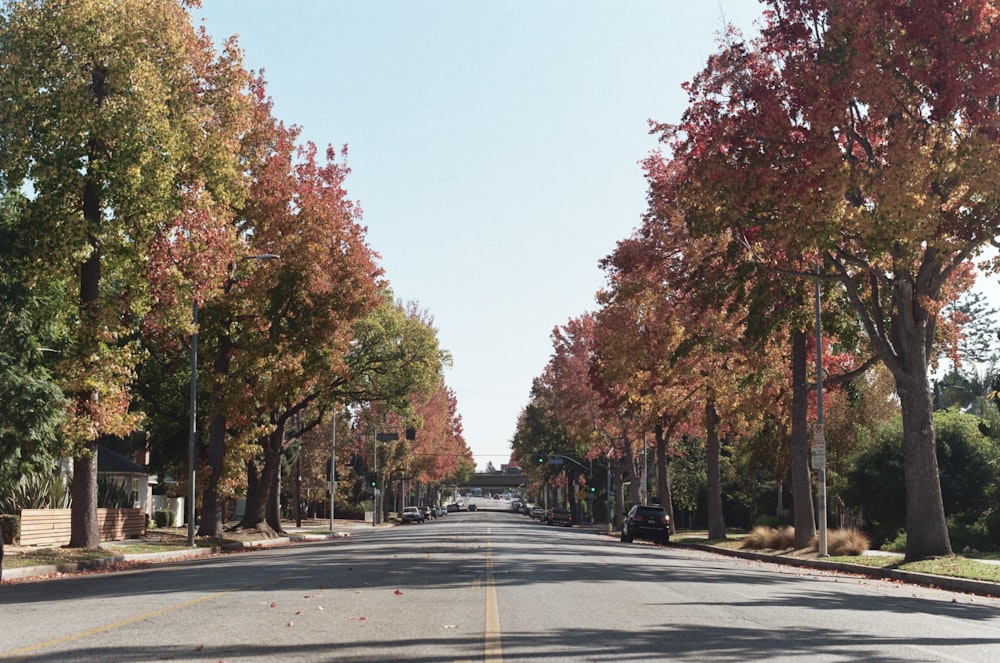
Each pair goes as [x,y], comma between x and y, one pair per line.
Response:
[493,651]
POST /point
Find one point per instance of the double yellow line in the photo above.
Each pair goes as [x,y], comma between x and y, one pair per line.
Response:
[493,651]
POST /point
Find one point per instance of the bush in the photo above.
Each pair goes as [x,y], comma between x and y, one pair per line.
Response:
[844,542]
[112,494]
[351,511]
[770,538]
[768,521]
[10,528]
[898,544]
[41,490]
[164,518]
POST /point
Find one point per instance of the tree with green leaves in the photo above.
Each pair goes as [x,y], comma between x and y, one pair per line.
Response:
[113,112]
[32,406]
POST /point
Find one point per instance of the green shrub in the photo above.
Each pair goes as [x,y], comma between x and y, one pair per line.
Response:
[352,511]
[896,545]
[164,518]
[42,490]
[10,528]
[768,521]
[112,494]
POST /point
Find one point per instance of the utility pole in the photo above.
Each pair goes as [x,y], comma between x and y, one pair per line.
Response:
[819,435]
[333,464]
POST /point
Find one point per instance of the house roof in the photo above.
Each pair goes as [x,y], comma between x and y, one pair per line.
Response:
[109,461]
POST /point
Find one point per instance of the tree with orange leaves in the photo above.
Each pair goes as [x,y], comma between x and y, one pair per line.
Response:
[856,135]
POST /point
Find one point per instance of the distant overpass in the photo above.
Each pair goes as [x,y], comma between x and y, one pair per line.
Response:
[496,482]
[489,484]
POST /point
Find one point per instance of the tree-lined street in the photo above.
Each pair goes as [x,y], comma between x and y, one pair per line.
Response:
[489,586]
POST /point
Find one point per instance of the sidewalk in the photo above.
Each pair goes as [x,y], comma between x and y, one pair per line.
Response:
[316,530]
[950,583]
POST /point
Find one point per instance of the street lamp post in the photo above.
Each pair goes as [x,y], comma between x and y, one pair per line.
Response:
[193,434]
[819,439]
[193,430]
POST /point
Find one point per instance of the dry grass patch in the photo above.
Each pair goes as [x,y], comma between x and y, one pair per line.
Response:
[844,542]
[769,538]
[841,542]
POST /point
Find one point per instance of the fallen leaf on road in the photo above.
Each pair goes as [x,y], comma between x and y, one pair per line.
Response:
[274,605]
[291,623]
[398,593]
[450,626]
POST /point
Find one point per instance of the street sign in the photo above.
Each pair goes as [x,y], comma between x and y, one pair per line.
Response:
[819,439]
[819,460]
[555,460]
[387,437]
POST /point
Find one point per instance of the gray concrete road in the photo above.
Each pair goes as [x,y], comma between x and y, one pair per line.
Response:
[488,587]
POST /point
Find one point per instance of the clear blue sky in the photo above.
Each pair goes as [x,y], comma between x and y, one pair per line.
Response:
[494,149]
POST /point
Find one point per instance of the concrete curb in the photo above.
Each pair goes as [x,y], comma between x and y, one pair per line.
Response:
[48,571]
[978,587]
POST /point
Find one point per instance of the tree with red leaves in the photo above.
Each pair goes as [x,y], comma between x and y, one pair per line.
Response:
[859,135]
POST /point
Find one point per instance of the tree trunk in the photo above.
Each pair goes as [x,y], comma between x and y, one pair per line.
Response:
[263,488]
[619,490]
[802,502]
[273,519]
[716,520]
[926,526]
[211,509]
[633,476]
[254,512]
[84,531]
[663,475]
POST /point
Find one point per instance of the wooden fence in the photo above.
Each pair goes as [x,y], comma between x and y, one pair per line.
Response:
[51,527]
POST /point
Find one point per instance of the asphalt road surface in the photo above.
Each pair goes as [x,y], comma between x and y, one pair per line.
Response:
[487,587]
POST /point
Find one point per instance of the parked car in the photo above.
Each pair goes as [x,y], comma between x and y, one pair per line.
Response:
[646,521]
[525,510]
[438,511]
[411,514]
[538,512]
[429,513]
[452,506]
[559,516]
[472,507]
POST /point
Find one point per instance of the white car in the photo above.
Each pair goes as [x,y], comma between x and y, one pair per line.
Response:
[411,514]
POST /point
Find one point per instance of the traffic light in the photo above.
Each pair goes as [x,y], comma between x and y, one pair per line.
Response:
[336,475]
[541,459]
[411,433]
[592,490]
[370,478]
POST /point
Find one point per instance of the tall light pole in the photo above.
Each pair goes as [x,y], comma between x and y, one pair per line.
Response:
[193,430]
[819,435]
[333,464]
[193,434]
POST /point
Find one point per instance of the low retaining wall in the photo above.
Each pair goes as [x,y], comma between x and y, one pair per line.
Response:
[51,527]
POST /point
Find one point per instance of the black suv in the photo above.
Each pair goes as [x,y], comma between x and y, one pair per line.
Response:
[646,521]
[559,516]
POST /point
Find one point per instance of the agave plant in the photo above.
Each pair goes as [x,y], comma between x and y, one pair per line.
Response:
[41,490]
